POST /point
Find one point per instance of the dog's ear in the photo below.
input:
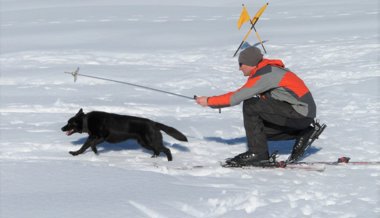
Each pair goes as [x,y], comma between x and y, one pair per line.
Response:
[80,112]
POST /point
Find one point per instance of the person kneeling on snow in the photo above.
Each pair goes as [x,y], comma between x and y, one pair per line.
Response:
[277,105]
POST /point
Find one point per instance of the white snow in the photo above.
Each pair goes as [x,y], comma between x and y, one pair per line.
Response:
[184,47]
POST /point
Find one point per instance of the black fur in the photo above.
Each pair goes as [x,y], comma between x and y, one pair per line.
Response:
[114,128]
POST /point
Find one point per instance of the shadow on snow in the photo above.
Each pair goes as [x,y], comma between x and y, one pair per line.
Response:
[127,145]
[282,147]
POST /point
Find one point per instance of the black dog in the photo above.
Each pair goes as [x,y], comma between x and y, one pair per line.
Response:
[114,128]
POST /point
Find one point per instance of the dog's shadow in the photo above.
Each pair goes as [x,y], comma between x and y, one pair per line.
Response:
[127,145]
[282,147]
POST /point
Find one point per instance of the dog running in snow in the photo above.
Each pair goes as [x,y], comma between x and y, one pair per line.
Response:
[114,128]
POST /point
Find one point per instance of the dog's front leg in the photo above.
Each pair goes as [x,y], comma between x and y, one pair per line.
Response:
[81,150]
[96,142]
[90,142]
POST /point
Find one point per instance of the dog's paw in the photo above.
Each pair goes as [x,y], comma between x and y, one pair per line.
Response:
[73,153]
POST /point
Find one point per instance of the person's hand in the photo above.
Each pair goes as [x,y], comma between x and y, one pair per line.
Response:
[202,100]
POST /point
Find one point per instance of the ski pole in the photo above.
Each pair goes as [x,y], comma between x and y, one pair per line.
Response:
[76,73]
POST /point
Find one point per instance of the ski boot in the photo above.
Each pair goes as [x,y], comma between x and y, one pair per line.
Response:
[247,159]
[304,141]
[264,162]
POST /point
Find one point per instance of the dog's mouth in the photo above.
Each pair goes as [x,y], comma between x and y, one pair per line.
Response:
[69,132]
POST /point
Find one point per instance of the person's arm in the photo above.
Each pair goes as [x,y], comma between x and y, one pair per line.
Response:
[252,87]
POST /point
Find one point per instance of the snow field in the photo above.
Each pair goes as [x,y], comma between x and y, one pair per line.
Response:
[186,48]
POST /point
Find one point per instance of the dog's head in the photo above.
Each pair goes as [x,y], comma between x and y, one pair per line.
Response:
[74,124]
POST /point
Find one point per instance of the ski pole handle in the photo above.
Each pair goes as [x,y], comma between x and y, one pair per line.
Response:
[195,98]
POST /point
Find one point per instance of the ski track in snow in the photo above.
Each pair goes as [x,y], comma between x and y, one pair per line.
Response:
[37,98]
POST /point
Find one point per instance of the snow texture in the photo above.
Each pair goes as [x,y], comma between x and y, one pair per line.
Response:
[184,47]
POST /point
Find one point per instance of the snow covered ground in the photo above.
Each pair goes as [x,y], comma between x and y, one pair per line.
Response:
[185,47]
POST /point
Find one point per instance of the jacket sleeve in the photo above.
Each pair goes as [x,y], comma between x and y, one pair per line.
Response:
[254,86]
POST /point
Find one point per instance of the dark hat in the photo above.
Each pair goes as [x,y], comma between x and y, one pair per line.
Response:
[250,56]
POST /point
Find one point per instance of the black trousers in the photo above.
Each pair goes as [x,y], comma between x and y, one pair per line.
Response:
[270,119]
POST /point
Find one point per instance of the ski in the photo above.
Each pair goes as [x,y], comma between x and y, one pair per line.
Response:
[341,161]
[272,163]
[304,165]
[314,167]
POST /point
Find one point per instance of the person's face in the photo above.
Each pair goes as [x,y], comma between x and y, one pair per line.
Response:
[245,69]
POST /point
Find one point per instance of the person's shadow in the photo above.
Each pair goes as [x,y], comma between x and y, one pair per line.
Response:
[282,147]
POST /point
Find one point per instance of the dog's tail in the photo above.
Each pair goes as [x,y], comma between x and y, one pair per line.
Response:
[172,132]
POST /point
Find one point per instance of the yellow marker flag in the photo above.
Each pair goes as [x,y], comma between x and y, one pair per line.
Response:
[259,13]
[244,17]
[254,20]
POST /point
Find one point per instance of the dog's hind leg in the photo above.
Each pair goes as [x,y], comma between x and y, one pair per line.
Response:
[158,145]
[144,142]
[155,154]
[167,152]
